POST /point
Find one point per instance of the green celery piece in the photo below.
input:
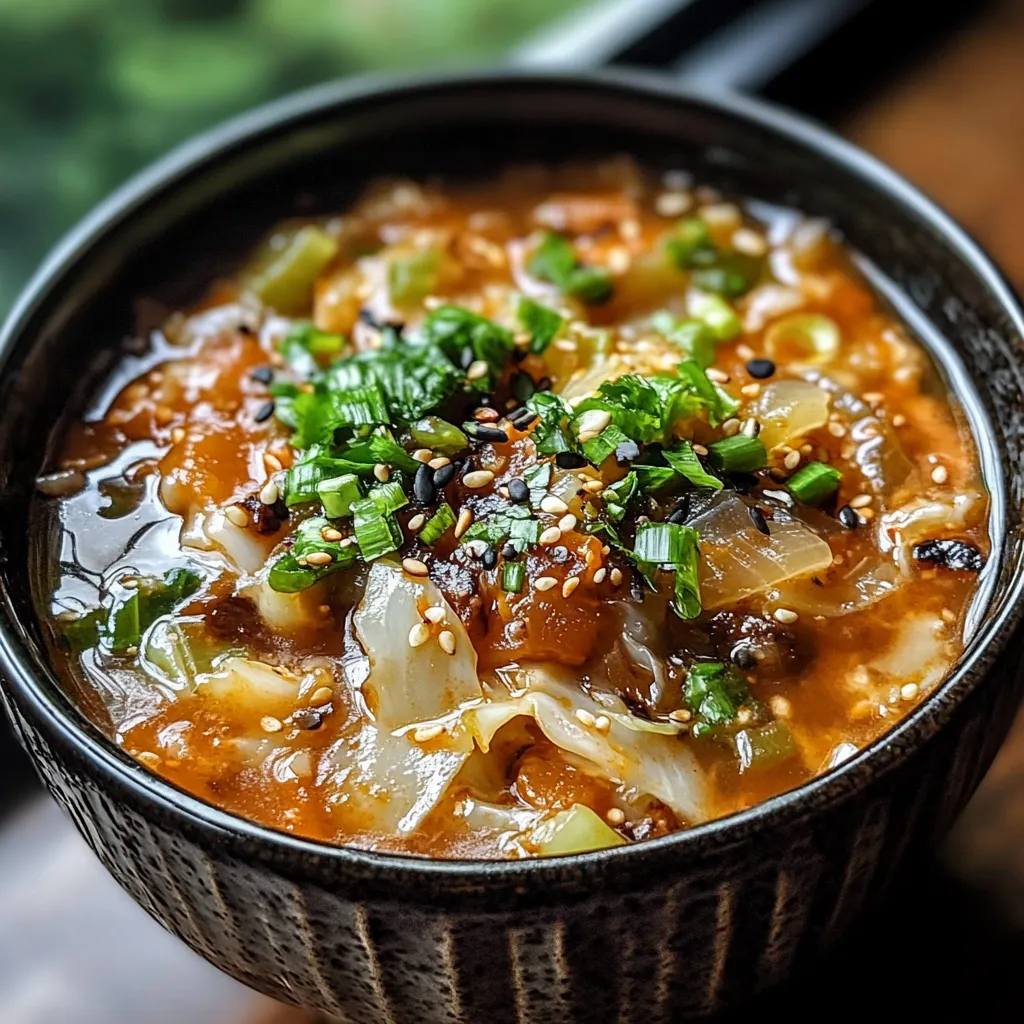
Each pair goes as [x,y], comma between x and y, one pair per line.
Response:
[576,830]
[286,282]
[738,454]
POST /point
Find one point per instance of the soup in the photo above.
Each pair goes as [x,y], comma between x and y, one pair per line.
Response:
[542,516]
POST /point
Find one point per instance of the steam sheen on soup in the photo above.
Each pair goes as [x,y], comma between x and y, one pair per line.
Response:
[534,518]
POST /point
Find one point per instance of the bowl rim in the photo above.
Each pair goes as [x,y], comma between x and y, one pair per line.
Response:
[20,667]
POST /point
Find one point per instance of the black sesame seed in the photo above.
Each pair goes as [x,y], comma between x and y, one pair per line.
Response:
[517,412]
[369,319]
[264,412]
[485,432]
[508,552]
[950,554]
[523,386]
[569,460]
[679,516]
[524,421]
[444,475]
[489,557]
[466,358]
[848,517]
[761,368]
[626,452]
[307,718]
[757,518]
[423,485]
[263,374]
[742,658]
[518,490]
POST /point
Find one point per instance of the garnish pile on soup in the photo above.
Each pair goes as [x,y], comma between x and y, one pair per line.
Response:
[547,516]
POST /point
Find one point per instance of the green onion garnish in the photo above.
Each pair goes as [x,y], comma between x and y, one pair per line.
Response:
[512,576]
[723,320]
[389,497]
[555,261]
[738,454]
[438,524]
[618,495]
[515,523]
[413,278]
[538,480]
[454,330]
[376,531]
[815,483]
[541,323]
[683,459]
[714,692]
[288,574]
[597,449]
[694,337]
[675,546]
[690,244]
[338,494]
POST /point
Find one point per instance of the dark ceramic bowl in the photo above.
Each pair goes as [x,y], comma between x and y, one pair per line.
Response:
[675,927]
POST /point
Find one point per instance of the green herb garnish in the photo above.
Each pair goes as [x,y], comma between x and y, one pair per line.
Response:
[542,323]
[714,692]
[556,262]
[438,524]
[673,546]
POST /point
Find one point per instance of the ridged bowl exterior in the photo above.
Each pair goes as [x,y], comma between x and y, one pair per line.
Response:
[674,928]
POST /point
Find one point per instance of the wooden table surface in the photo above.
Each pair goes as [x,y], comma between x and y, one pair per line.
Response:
[950,942]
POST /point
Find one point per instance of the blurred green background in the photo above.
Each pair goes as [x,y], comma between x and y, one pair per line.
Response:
[91,90]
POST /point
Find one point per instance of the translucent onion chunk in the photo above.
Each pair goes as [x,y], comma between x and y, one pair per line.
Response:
[738,561]
[788,409]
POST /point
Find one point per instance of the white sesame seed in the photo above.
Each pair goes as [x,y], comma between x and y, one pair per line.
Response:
[441,460]
[478,478]
[319,558]
[417,521]
[593,421]
[600,575]
[873,397]
[785,615]
[940,474]
[237,516]
[570,585]
[381,472]
[603,724]
[745,352]
[731,427]
[423,455]
[418,635]
[463,522]
[321,695]
[553,504]
[616,576]
[909,691]
[743,716]
[272,463]
[899,420]
[545,583]
[477,369]
[593,486]
[435,613]
[700,449]
[859,501]
[837,429]
[792,460]
[718,376]
[446,641]
[566,345]
[584,717]
[414,567]
[780,706]
[751,390]
[615,816]
[748,242]
[567,523]
[552,535]
[672,204]
[269,493]
[177,436]
[270,724]
[680,715]
[330,534]
[426,733]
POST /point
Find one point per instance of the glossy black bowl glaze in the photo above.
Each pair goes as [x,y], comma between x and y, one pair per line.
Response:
[655,932]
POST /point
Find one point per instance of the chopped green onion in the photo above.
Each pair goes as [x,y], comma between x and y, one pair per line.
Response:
[512,576]
[722,281]
[538,479]
[738,454]
[288,574]
[541,323]
[286,281]
[673,545]
[306,349]
[438,524]
[694,337]
[556,262]
[439,435]
[389,497]
[384,448]
[764,745]
[654,478]
[618,495]
[413,278]
[338,494]
[454,330]
[815,483]
[376,531]
[718,402]
[723,320]
[690,244]
[683,459]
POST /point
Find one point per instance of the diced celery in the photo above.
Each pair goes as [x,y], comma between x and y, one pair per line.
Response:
[576,830]
[285,281]
[338,494]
